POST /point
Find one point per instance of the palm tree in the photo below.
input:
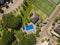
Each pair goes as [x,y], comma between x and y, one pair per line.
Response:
[25,3]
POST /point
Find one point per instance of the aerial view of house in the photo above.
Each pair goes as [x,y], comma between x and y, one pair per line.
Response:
[29,22]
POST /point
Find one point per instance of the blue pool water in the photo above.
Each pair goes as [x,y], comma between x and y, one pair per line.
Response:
[28,27]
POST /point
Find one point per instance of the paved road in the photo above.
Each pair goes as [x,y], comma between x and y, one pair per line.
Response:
[11,7]
[46,28]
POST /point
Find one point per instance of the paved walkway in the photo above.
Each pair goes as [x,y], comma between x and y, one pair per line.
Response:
[46,28]
[11,7]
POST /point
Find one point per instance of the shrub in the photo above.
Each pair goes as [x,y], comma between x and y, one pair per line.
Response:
[1,11]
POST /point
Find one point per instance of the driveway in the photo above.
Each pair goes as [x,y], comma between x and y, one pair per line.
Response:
[11,7]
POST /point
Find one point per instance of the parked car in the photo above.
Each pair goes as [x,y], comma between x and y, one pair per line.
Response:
[44,23]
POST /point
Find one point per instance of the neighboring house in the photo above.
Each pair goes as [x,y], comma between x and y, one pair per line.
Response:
[56,30]
[4,1]
[1,1]
[34,18]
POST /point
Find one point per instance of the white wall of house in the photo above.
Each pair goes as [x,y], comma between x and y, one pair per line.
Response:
[55,33]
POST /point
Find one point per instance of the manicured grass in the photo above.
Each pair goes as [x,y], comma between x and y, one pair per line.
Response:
[56,1]
[44,5]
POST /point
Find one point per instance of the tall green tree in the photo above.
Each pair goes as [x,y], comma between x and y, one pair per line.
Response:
[25,39]
[10,21]
[7,38]
[32,39]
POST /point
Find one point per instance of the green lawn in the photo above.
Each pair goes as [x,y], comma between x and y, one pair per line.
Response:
[44,5]
[55,1]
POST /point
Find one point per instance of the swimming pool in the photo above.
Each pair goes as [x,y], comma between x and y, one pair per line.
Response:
[28,27]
